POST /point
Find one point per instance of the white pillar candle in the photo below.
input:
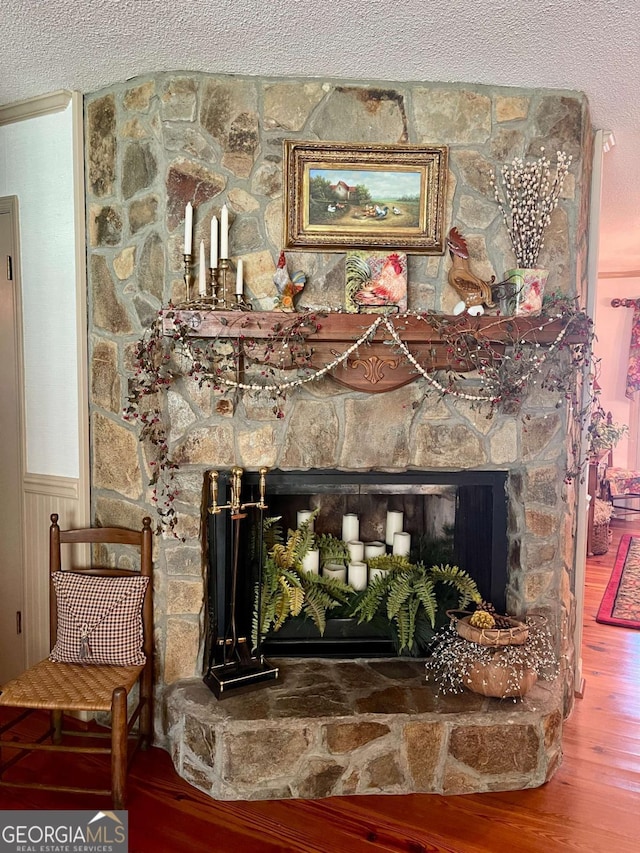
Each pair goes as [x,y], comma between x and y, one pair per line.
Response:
[239,278]
[358,575]
[188,228]
[224,232]
[356,550]
[336,571]
[350,527]
[374,549]
[375,573]
[401,544]
[394,525]
[311,561]
[202,273]
[213,248]
[304,515]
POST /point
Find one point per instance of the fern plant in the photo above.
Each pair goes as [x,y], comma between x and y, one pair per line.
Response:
[287,590]
[332,549]
[412,598]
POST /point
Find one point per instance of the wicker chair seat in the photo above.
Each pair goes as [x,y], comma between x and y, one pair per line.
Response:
[68,686]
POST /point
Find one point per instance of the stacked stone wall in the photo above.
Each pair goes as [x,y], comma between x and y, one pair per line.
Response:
[155,143]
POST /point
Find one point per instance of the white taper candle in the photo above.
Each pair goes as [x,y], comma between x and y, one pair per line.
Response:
[213,249]
[188,228]
[202,273]
[224,232]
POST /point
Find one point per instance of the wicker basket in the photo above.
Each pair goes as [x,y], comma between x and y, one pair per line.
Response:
[602,511]
[600,538]
[516,635]
[499,681]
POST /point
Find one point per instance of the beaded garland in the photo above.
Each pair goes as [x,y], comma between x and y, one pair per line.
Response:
[320,373]
[155,372]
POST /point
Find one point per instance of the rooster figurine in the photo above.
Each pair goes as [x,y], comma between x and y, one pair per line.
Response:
[474,292]
[386,287]
[288,286]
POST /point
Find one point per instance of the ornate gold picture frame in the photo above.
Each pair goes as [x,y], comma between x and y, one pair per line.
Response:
[340,196]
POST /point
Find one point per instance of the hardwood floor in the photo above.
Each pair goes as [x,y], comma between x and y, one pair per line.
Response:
[590,804]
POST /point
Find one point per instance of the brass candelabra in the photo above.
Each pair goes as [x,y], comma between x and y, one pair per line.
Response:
[220,287]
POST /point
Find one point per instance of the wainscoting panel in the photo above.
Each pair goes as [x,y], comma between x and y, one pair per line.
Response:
[43,495]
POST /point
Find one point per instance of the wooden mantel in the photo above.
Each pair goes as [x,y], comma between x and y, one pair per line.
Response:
[377,366]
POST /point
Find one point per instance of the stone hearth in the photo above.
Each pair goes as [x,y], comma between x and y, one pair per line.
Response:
[329,728]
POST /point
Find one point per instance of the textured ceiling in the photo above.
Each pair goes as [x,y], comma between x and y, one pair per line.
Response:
[584,45]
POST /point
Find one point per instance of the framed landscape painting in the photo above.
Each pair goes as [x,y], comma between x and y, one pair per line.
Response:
[340,196]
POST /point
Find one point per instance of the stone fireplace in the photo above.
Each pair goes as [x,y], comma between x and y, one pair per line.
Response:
[157,142]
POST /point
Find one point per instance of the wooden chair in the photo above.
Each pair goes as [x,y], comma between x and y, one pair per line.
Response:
[115,607]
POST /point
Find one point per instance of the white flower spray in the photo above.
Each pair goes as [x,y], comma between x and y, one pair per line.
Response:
[528,196]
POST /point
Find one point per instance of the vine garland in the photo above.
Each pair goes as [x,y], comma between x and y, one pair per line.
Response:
[502,374]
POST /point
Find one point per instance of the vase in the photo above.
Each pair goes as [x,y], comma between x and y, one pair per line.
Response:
[499,679]
[522,292]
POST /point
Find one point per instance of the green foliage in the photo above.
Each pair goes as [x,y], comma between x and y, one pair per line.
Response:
[431,551]
[332,550]
[361,194]
[409,595]
[287,590]
[320,189]
[603,434]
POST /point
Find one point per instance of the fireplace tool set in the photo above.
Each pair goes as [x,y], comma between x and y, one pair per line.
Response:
[241,666]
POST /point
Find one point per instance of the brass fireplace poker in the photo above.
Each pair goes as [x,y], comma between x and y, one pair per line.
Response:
[239,668]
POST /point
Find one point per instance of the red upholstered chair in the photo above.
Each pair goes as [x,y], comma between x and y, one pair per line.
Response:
[101,648]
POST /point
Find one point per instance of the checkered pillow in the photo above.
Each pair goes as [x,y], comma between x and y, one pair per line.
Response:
[99,619]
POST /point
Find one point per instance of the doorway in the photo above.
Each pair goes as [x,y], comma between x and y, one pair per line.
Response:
[12,653]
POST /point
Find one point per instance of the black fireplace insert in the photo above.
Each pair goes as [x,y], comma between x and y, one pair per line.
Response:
[470,505]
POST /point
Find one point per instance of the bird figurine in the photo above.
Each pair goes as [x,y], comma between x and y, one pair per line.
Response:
[384,285]
[473,291]
[288,286]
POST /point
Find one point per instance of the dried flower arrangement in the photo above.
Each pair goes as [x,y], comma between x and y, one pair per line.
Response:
[456,664]
[528,196]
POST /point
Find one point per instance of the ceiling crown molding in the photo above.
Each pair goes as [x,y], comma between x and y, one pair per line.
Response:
[34,107]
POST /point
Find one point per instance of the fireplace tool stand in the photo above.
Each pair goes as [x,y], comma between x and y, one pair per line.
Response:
[240,668]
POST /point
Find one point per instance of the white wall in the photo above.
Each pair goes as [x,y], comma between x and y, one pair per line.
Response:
[36,165]
[613,331]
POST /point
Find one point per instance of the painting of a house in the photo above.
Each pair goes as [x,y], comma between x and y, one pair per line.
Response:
[343,190]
